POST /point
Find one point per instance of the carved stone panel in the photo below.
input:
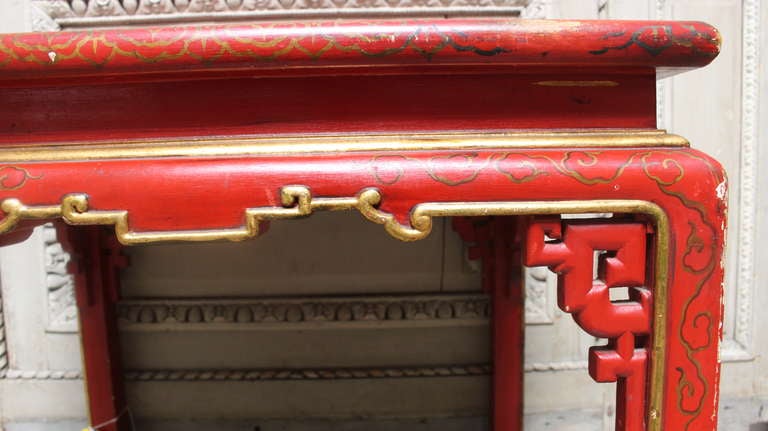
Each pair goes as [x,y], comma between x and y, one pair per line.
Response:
[60,287]
[84,13]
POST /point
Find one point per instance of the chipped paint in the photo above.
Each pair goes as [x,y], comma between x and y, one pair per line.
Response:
[721,190]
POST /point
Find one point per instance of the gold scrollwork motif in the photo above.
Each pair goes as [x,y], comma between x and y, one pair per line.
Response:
[14,177]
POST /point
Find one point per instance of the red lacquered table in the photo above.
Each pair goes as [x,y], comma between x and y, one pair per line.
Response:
[211,132]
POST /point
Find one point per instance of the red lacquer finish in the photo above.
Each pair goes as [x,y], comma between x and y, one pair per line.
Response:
[456,80]
[340,77]
[359,43]
[627,324]
[173,194]
[496,241]
[96,260]
[446,100]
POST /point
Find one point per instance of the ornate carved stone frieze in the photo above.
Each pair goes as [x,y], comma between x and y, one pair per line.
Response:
[89,13]
[352,310]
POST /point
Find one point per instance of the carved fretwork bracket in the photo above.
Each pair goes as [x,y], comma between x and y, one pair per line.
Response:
[569,248]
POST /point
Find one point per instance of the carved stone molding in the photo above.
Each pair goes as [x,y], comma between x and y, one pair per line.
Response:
[537,9]
[339,310]
[303,310]
[271,374]
[60,286]
[3,346]
[41,21]
[300,374]
[539,284]
[532,367]
[12,374]
[311,374]
[662,86]
[89,13]
[741,347]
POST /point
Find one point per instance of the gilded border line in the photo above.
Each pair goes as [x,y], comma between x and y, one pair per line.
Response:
[297,201]
[276,146]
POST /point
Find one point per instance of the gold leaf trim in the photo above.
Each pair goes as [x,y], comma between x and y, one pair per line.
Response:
[271,146]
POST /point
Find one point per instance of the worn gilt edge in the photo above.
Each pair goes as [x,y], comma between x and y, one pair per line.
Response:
[277,146]
[297,201]
[344,310]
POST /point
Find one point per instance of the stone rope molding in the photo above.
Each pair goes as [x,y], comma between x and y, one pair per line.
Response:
[3,346]
[298,374]
[310,374]
[12,374]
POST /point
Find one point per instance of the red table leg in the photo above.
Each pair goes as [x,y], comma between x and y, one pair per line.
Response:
[95,261]
[496,243]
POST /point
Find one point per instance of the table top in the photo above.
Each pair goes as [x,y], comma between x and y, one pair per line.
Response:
[339,77]
[309,46]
